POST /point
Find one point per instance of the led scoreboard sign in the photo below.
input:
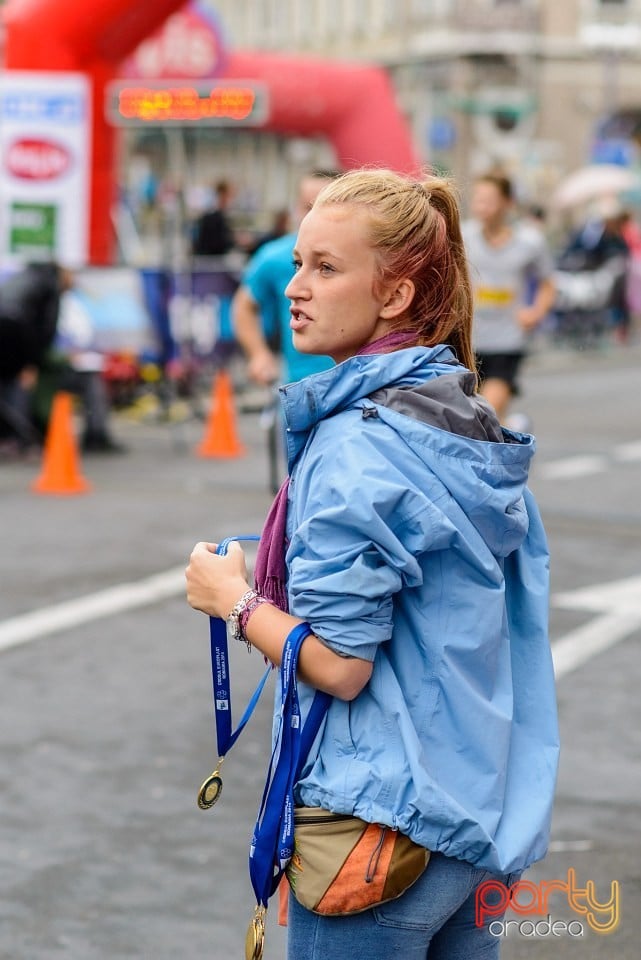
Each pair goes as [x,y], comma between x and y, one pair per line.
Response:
[217,103]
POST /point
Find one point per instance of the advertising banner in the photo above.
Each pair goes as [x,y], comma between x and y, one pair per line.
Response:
[44,167]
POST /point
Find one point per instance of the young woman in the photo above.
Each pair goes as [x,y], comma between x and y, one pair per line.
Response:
[408,540]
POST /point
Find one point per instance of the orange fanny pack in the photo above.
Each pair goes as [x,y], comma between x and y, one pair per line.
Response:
[343,865]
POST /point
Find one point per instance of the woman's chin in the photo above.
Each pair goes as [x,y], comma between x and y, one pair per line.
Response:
[303,344]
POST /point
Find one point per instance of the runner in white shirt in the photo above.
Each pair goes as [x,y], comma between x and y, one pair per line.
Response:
[508,259]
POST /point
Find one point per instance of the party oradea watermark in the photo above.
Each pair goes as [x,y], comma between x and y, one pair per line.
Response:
[531,902]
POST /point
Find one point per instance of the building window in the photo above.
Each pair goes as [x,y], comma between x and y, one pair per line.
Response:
[358,15]
[618,7]
[421,8]
[333,24]
[390,12]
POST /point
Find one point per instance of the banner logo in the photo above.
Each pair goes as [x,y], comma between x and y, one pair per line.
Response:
[37,159]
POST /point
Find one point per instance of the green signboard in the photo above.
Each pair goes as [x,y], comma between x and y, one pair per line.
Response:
[32,228]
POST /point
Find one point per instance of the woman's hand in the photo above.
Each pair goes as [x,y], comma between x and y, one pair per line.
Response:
[215,583]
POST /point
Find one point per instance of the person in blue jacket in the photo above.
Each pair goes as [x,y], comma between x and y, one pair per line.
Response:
[407,537]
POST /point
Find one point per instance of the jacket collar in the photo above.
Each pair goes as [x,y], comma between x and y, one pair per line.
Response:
[319,396]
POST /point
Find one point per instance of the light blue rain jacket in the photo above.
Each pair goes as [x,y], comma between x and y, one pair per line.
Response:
[417,546]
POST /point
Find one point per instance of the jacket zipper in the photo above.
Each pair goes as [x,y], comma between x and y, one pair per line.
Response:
[311,818]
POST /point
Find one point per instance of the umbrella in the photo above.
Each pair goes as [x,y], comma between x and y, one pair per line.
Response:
[593,182]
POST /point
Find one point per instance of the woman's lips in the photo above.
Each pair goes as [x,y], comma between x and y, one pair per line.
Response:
[299,320]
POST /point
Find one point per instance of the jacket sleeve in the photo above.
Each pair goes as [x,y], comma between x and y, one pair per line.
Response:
[354,535]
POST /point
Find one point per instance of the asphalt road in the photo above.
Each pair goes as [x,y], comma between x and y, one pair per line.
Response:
[106,726]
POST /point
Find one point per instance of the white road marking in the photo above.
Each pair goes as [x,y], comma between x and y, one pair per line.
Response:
[579,646]
[572,467]
[576,846]
[93,606]
[619,604]
[603,597]
[628,452]
[586,465]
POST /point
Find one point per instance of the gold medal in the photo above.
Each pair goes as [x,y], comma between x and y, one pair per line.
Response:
[255,939]
[211,788]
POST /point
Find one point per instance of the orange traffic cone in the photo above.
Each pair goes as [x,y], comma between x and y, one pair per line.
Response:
[221,439]
[60,472]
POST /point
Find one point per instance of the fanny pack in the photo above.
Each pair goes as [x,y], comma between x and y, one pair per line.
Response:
[343,865]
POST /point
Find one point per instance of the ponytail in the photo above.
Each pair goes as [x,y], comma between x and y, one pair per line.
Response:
[445,201]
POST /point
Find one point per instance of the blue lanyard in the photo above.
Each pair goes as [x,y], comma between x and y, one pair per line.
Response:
[272,843]
[225,737]
[220,675]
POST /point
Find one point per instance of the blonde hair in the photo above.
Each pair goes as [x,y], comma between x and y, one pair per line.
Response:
[415,230]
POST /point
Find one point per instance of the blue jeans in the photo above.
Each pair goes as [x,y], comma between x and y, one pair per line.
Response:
[434,919]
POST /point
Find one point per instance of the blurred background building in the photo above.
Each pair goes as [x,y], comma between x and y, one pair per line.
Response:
[537,87]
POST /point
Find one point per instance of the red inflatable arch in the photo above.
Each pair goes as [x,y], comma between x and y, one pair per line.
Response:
[352,105]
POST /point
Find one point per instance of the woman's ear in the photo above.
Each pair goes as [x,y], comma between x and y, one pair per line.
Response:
[399,297]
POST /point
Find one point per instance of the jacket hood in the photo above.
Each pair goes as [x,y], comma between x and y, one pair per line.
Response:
[438,423]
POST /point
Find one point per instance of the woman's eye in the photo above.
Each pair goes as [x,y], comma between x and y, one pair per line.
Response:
[296,265]
[326,268]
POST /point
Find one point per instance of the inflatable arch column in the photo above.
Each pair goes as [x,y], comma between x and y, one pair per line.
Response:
[93,38]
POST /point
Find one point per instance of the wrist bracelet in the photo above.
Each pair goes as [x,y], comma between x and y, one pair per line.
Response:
[233,622]
[246,613]
[240,614]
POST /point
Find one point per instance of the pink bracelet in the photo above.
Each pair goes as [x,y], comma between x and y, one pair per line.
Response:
[246,613]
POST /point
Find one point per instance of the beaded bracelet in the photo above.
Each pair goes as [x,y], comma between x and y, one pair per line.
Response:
[233,620]
[246,613]
[240,613]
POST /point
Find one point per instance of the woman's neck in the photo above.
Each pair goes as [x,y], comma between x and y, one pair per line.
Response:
[394,340]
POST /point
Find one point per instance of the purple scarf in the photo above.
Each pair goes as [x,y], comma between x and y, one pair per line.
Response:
[270,572]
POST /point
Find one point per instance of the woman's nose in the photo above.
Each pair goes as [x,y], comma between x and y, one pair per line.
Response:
[294,288]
